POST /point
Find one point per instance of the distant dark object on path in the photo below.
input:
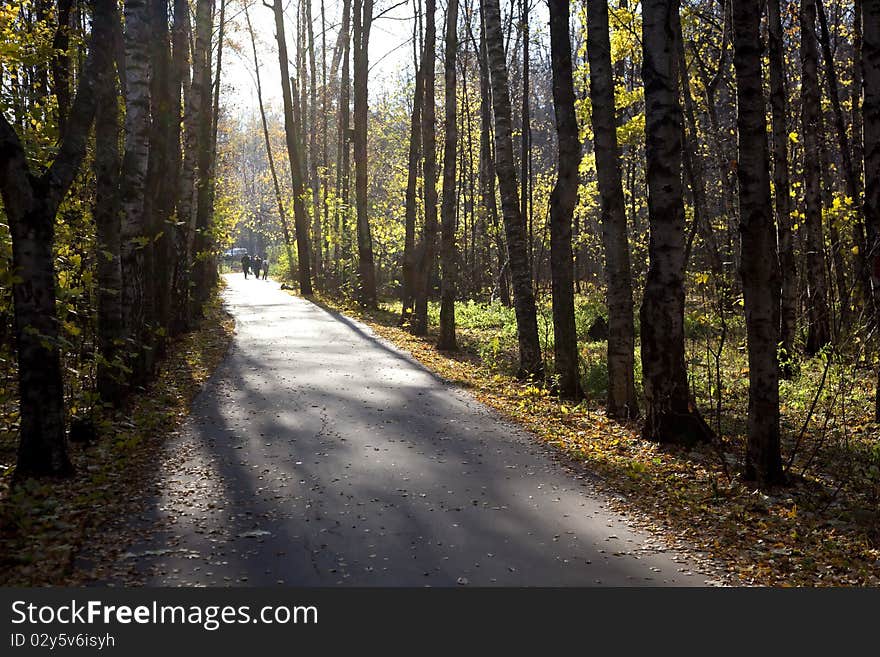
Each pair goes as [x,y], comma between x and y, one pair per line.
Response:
[598,329]
[285,286]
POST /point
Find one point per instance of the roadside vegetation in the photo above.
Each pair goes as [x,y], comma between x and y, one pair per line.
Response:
[821,529]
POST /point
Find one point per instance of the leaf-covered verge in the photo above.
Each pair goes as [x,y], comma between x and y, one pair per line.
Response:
[820,530]
[44,523]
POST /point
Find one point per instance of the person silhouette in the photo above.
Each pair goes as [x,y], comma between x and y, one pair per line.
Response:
[245,264]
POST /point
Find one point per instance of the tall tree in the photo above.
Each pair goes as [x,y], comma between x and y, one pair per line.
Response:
[325,155]
[758,266]
[622,401]
[31,203]
[276,187]
[531,361]
[871,126]
[525,156]
[136,246]
[61,62]
[562,202]
[819,320]
[204,270]
[487,165]
[448,253]
[343,140]
[184,230]
[107,234]
[669,415]
[314,183]
[300,217]
[163,160]
[785,238]
[412,176]
[428,247]
[363,19]
[857,133]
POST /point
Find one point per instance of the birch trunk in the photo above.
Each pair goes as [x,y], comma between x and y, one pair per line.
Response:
[622,401]
[135,240]
[669,415]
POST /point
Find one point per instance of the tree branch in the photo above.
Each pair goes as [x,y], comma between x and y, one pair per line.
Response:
[64,168]
[16,180]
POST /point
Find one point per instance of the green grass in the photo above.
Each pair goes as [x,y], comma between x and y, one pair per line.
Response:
[833,408]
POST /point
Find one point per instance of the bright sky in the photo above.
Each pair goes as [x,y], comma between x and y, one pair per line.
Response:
[390,48]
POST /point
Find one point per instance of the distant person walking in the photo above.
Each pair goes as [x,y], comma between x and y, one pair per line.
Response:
[245,264]
[265,267]
[258,264]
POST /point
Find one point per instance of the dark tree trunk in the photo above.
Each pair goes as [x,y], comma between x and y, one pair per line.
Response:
[110,377]
[363,17]
[31,203]
[282,216]
[622,400]
[785,239]
[531,361]
[759,267]
[670,416]
[204,272]
[343,162]
[184,214]
[300,217]
[448,253]
[857,134]
[314,183]
[487,168]
[61,62]
[325,155]
[871,126]
[562,202]
[159,203]
[819,320]
[428,246]
[526,136]
[409,247]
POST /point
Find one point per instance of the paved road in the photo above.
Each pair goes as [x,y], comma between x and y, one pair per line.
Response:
[318,454]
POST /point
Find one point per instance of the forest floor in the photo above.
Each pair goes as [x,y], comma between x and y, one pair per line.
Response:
[823,529]
[45,524]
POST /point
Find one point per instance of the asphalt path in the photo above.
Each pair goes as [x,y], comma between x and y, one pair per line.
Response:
[318,454]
